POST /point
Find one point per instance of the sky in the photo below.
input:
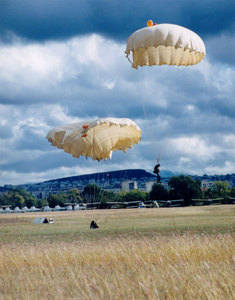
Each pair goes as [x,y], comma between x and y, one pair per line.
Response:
[63,61]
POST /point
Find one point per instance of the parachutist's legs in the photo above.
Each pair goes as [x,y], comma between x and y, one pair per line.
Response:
[158,178]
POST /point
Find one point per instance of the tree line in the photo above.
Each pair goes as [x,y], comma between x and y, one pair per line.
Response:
[180,187]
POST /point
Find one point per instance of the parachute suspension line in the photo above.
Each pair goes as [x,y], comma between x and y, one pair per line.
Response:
[100,191]
[96,191]
[94,185]
[96,182]
[127,56]
[157,156]
[150,133]
[146,116]
[122,175]
[158,159]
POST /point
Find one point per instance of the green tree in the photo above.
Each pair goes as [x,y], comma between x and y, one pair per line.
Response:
[184,187]
[29,200]
[232,192]
[74,196]
[220,189]
[41,202]
[18,200]
[92,193]
[4,199]
[17,197]
[135,195]
[56,199]
[207,194]
[158,192]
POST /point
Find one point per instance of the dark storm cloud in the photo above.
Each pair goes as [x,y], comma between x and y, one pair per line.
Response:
[222,48]
[209,17]
[59,19]
[46,161]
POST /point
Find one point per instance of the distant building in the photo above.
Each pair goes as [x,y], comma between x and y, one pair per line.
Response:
[129,185]
[205,185]
[165,185]
[149,185]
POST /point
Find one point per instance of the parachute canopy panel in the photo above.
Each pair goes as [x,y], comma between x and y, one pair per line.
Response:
[165,44]
[96,139]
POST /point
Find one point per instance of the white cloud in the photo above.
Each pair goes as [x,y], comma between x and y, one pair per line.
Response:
[227,168]
[42,68]
[194,147]
[186,114]
[108,84]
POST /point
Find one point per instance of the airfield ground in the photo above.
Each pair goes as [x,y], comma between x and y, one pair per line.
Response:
[165,253]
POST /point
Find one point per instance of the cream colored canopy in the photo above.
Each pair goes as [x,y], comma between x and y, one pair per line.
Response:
[96,139]
[165,44]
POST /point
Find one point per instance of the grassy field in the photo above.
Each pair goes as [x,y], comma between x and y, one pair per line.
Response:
[166,253]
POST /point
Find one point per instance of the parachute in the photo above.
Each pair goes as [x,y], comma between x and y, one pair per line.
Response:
[164,44]
[96,139]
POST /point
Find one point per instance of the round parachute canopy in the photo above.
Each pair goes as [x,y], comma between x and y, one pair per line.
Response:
[96,139]
[165,44]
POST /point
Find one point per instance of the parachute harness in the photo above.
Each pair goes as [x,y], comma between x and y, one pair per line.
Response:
[157,170]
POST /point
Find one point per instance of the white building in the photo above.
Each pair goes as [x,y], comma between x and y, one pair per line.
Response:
[129,185]
[205,184]
[149,185]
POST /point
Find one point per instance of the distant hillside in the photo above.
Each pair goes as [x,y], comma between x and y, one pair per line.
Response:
[107,180]
[128,174]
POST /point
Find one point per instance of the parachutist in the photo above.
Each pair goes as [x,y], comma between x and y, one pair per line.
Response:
[157,171]
[93,225]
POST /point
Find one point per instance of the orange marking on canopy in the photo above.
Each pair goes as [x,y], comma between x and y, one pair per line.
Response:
[84,135]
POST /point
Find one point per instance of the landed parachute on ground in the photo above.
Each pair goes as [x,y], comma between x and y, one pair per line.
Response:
[96,139]
[165,44]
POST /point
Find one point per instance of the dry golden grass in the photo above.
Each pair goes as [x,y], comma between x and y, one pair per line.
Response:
[190,262]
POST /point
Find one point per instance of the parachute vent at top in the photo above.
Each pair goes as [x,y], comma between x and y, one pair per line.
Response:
[165,44]
[96,139]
